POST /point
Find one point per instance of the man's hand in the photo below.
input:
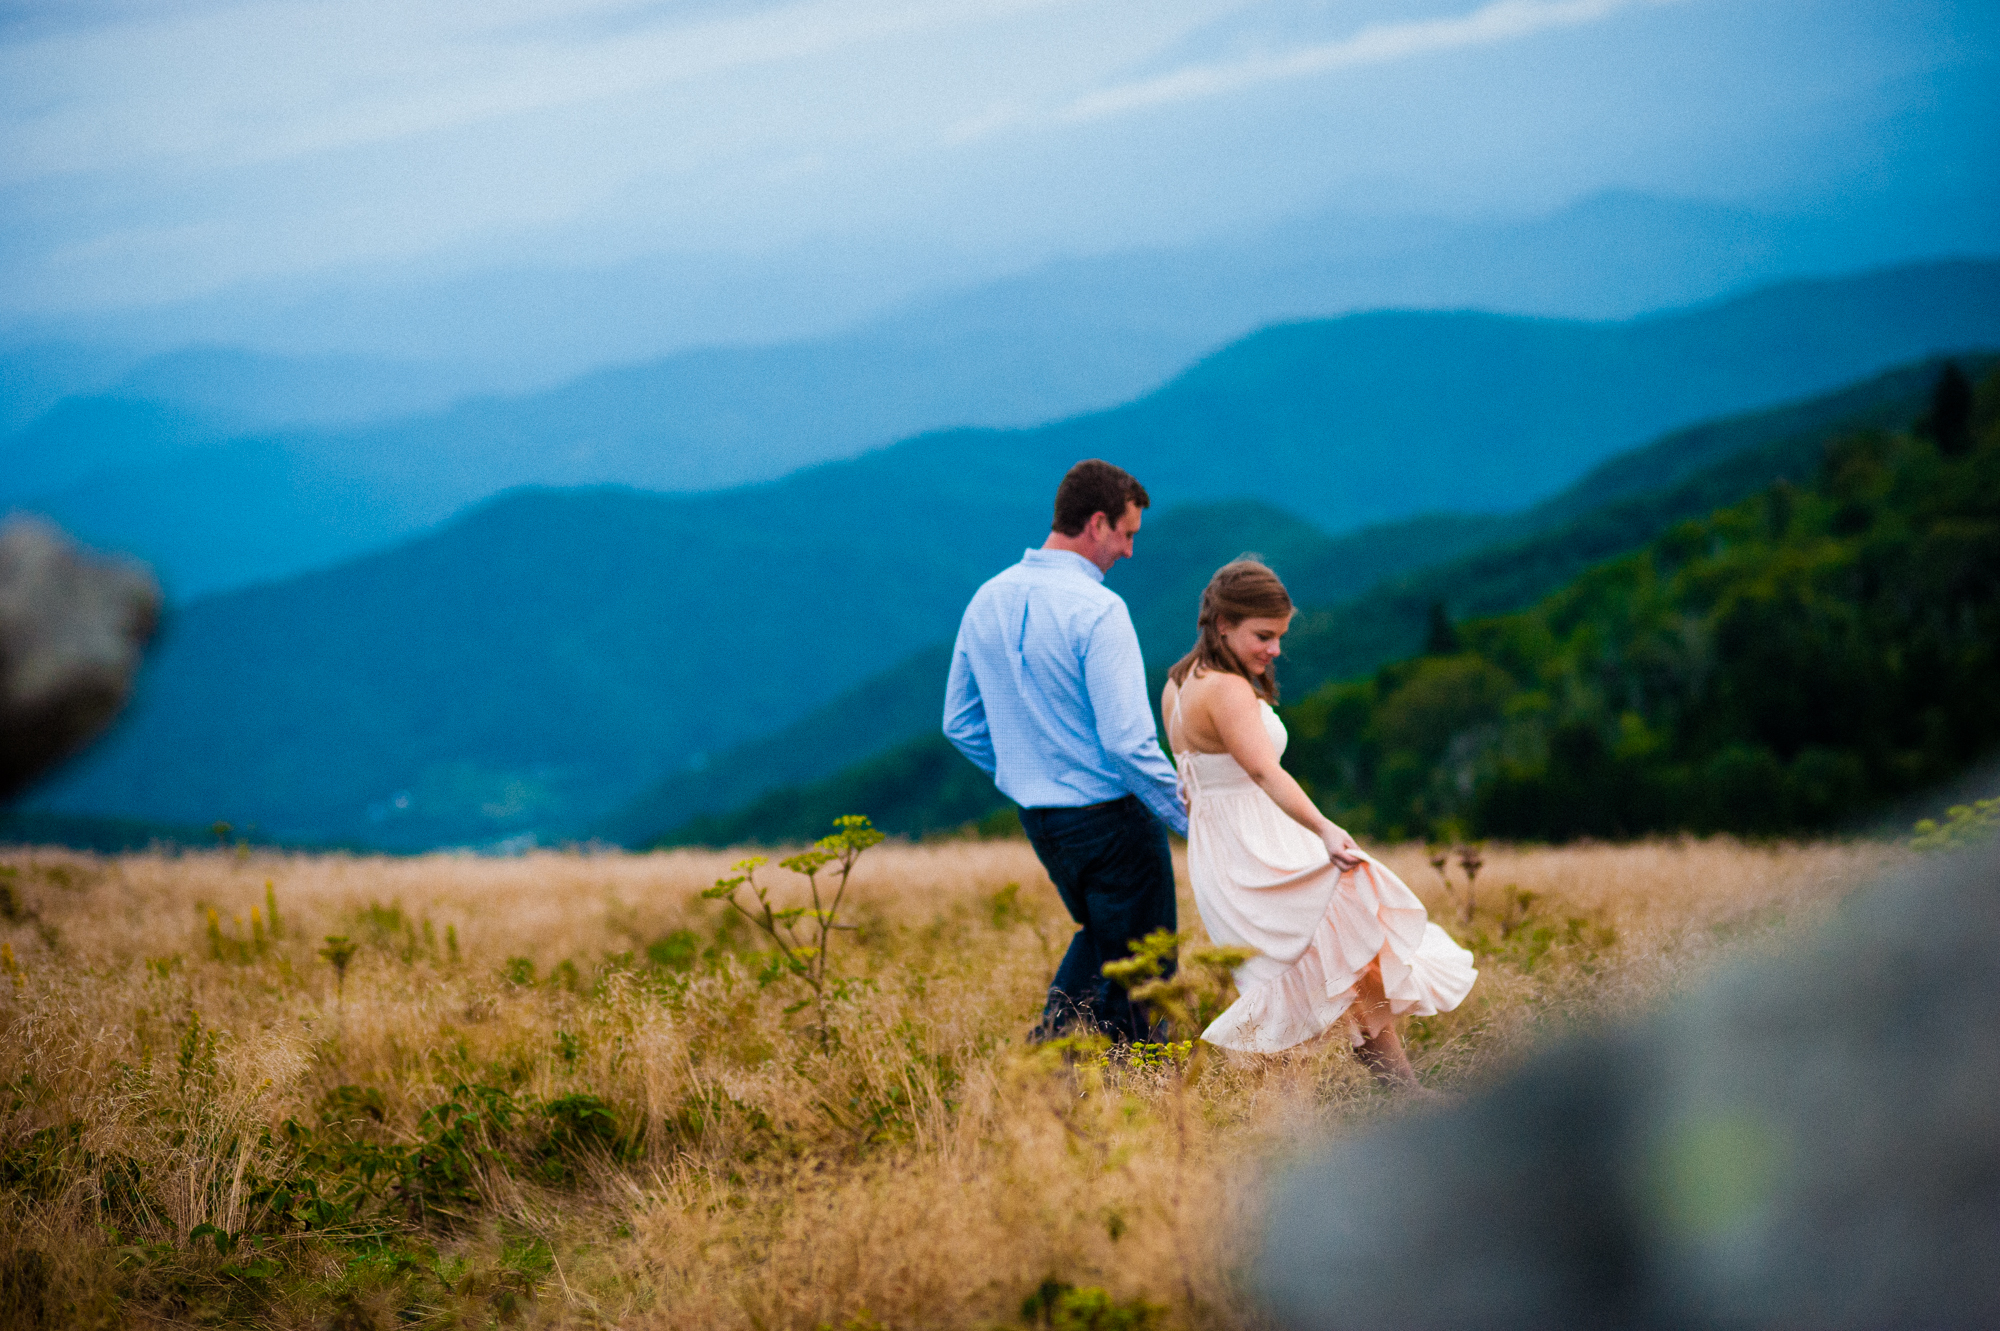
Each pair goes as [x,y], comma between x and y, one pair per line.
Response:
[1341,848]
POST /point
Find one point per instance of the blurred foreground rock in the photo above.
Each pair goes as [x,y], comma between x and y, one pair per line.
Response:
[72,628]
[1811,1141]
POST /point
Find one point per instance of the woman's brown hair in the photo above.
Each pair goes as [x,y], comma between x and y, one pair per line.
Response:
[1241,589]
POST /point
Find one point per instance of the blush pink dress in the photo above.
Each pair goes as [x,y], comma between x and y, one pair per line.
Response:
[1262,881]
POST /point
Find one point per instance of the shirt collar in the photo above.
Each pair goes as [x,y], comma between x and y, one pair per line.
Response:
[1068,559]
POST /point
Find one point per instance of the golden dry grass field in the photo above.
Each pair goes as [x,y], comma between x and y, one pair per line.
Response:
[564,1090]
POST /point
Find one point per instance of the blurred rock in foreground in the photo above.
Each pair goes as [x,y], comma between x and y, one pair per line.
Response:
[72,628]
[1811,1140]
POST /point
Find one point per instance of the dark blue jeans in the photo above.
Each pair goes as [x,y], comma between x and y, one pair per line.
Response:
[1115,872]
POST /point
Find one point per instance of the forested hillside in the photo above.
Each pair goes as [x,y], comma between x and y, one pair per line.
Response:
[920,785]
[1616,508]
[538,664]
[1787,663]
[1182,548]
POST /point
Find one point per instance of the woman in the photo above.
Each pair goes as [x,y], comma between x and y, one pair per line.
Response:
[1334,930]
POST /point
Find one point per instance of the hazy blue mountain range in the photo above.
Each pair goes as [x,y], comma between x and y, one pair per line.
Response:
[36,377]
[1425,410]
[1182,548]
[543,659]
[1610,256]
[1366,600]
[1603,256]
[242,389]
[213,510]
[230,389]
[235,512]
[535,662]
[1377,747]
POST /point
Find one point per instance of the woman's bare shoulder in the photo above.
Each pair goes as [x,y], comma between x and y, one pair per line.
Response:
[1219,688]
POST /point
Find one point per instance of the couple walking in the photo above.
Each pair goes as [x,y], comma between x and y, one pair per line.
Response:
[1048,696]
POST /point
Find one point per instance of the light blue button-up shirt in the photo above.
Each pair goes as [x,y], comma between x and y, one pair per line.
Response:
[1048,692]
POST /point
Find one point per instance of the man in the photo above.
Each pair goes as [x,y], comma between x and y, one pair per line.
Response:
[1048,696]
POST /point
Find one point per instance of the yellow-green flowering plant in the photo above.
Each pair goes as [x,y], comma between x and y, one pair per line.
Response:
[802,934]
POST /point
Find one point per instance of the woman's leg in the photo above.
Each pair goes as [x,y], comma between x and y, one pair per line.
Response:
[1382,1053]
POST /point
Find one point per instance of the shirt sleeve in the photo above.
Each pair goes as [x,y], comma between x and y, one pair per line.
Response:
[965,712]
[1115,675]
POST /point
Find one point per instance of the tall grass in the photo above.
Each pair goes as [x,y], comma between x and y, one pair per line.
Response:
[565,1090]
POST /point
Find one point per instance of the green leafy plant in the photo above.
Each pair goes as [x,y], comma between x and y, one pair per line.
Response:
[1062,1306]
[339,950]
[1963,825]
[1193,995]
[1005,909]
[1519,908]
[677,951]
[1172,1054]
[578,1127]
[802,934]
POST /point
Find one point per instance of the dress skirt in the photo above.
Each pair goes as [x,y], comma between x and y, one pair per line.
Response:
[1262,881]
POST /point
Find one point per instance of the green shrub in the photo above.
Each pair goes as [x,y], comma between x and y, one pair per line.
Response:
[1963,825]
[677,951]
[1063,1307]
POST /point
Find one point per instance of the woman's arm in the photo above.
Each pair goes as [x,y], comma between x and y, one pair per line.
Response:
[1167,697]
[1239,721]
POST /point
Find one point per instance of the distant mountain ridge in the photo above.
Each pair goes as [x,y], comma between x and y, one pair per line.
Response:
[1181,548]
[537,663]
[229,389]
[1607,255]
[1016,355]
[910,781]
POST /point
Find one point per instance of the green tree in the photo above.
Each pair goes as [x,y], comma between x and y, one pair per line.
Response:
[1785,663]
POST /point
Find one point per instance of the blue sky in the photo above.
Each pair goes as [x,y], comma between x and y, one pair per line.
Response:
[154,152]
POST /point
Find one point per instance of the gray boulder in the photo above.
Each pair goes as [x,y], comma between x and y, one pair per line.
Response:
[1810,1141]
[72,630]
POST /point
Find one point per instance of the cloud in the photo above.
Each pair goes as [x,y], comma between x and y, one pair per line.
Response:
[1377,44]
[156,150]
[272,81]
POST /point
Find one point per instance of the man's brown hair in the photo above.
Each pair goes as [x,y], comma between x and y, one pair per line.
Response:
[1095,486]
